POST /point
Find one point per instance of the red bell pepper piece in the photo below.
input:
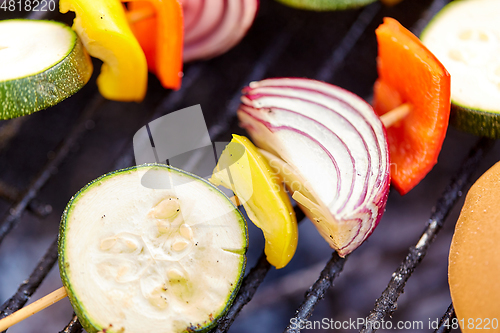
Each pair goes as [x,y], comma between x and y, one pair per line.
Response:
[160,33]
[410,73]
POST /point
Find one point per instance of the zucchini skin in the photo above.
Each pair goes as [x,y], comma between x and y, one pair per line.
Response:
[474,120]
[23,96]
[64,266]
[326,5]
[477,122]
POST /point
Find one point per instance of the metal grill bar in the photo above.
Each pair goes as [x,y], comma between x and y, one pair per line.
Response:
[249,286]
[386,304]
[171,102]
[28,287]
[317,291]
[13,194]
[446,320]
[247,290]
[268,57]
[332,64]
[42,15]
[433,9]
[9,130]
[73,326]
[49,169]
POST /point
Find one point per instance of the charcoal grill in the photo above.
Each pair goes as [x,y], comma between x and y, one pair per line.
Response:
[48,156]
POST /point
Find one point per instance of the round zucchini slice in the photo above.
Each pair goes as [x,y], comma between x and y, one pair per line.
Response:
[41,64]
[464,36]
[325,5]
[137,259]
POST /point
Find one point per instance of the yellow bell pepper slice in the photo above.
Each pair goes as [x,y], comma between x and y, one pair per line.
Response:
[103,28]
[263,195]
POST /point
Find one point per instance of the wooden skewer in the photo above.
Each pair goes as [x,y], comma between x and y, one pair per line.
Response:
[33,308]
[234,199]
[396,114]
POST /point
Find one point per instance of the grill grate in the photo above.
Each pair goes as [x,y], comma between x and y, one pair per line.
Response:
[386,304]
[48,170]
[347,59]
[318,290]
[28,287]
[446,319]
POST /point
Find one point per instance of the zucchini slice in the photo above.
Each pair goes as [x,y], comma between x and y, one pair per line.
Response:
[137,259]
[41,64]
[465,37]
[326,5]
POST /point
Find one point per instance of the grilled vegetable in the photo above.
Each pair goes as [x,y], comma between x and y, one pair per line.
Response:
[104,30]
[411,74]
[137,259]
[160,36]
[323,5]
[329,147]
[259,188]
[474,263]
[390,2]
[211,28]
[464,36]
[41,64]
[215,26]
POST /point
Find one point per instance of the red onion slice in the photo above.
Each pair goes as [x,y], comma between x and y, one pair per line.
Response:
[331,149]
[214,26]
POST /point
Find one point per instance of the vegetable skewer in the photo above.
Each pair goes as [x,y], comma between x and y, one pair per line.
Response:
[388,119]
